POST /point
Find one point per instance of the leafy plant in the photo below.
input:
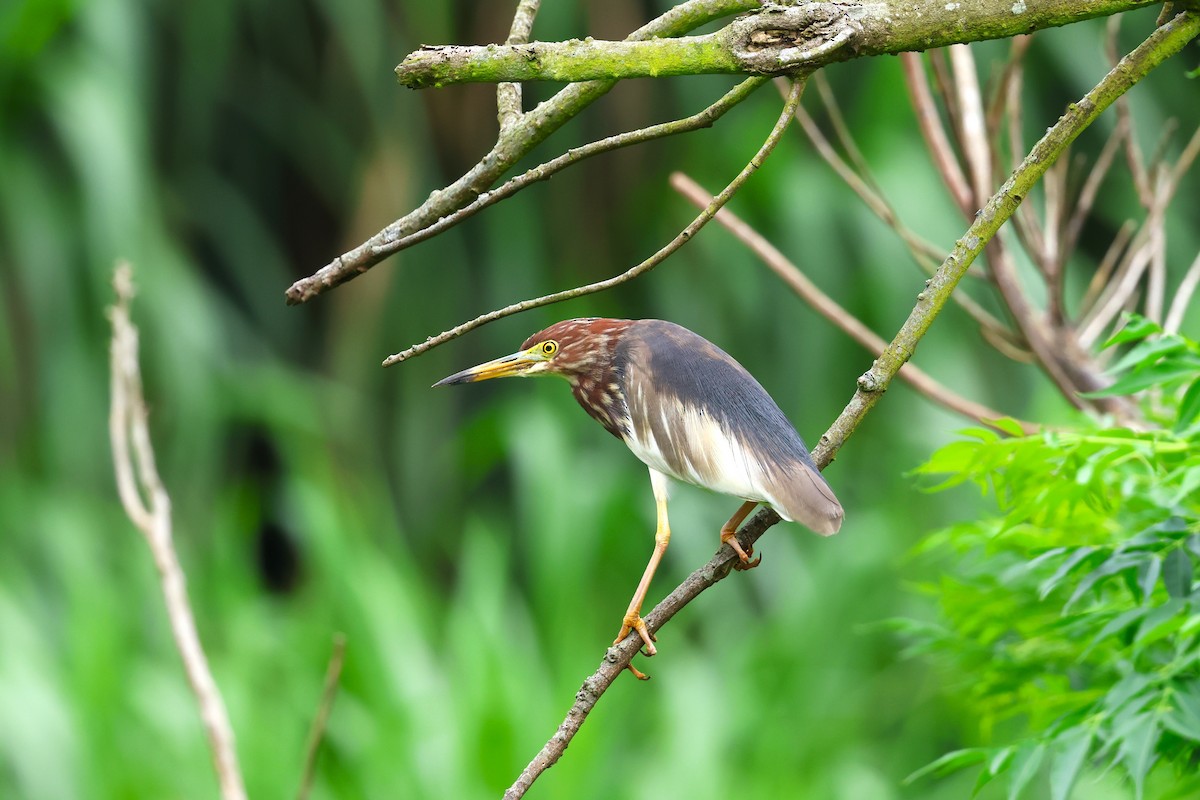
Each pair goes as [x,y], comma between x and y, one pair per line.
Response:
[1073,611]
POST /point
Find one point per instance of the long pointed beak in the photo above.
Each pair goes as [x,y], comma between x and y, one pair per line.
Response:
[505,367]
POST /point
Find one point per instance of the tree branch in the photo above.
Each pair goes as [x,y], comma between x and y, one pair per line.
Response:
[146,502]
[1164,42]
[828,308]
[775,39]
[508,95]
[511,146]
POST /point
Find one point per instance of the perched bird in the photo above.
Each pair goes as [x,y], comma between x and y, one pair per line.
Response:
[689,411]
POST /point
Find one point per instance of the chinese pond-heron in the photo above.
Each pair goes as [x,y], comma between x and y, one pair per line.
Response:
[689,411]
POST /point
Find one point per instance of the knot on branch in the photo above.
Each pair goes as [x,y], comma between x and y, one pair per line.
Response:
[782,38]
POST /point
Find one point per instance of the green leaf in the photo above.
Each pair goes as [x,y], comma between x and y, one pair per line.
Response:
[1157,375]
[1070,750]
[996,766]
[1124,690]
[1158,618]
[1047,586]
[1147,352]
[1177,573]
[1137,749]
[950,762]
[1116,563]
[1025,765]
[1184,719]
[1189,406]
[1148,576]
[1119,623]
[1136,327]
[1009,425]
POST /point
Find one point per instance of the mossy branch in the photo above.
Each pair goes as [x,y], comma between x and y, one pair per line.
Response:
[514,142]
[772,40]
[1163,43]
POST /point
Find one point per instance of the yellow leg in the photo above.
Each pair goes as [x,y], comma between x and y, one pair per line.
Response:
[729,536]
[662,536]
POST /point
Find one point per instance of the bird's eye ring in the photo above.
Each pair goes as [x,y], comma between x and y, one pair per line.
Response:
[549,347]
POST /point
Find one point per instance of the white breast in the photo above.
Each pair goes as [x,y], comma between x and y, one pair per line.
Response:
[712,458]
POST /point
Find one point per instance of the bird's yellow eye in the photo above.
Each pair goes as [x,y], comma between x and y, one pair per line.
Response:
[548,348]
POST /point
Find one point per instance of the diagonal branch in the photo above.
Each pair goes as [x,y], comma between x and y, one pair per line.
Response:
[793,102]
[828,308]
[1161,44]
[544,171]
[146,502]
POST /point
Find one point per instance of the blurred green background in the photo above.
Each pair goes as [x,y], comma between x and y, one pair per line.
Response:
[477,546]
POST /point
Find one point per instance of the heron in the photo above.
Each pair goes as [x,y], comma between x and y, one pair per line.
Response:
[688,411]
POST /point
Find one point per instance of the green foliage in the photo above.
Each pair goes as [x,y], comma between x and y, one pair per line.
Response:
[1073,612]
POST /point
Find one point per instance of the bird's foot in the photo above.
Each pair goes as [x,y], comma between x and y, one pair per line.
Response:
[634,622]
[743,561]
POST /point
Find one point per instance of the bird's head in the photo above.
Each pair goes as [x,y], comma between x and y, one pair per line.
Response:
[568,349]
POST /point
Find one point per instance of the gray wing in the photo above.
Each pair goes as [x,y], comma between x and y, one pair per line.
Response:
[683,372]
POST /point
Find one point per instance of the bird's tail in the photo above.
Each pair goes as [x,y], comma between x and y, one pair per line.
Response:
[803,496]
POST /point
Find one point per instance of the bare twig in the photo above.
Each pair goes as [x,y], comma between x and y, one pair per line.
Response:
[926,254]
[542,172]
[1112,256]
[316,733]
[1164,42]
[830,310]
[650,263]
[1009,76]
[1117,292]
[1183,296]
[146,502]
[511,146]
[1089,191]
[1133,152]
[930,123]
[508,95]
[974,127]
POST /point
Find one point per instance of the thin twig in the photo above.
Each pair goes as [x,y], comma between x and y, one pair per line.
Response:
[1183,296]
[828,308]
[1125,282]
[1010,75]
[1089,192]
[1133,152]
[926,254]
[147,503]
[316,733]
[650,263]
[1156,272]
[934,133]
[508,95]
[1112,257]
[542,172]
[1164,42]
[1054,190]
[975,147]
[842,131]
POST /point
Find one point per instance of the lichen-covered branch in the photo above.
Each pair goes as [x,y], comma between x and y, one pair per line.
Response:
[513,144]
[1163,43]
[772,40]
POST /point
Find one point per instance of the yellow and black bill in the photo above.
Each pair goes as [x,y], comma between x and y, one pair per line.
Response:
[506,367]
